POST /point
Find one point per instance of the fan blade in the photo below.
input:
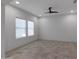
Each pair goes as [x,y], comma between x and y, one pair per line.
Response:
[52,12]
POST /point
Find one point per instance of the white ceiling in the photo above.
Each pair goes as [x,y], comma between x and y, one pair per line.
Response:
[39,7]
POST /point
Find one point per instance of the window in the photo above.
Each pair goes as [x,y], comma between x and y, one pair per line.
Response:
[20,28]
[30,28]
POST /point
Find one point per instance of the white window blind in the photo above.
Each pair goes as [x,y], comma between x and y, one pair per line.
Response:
[30,28]
[20,28]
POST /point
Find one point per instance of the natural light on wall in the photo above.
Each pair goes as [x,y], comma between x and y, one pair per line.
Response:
[20,28]
[30,28]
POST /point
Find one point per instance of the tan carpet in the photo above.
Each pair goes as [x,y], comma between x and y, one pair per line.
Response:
[45,50]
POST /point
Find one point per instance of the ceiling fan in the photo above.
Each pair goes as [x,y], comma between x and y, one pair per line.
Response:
[51,11]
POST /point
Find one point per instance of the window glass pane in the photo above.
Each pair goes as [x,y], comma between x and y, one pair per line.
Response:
[20,28]
[20,33]
[30,28]
[20,23]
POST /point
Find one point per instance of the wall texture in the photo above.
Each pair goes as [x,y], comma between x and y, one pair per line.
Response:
[58,27]
[11,13]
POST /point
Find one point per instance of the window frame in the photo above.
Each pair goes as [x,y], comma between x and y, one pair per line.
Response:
[25,28]
[33,28]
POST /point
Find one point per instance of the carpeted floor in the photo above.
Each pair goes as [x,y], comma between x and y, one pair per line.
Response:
[45,50]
